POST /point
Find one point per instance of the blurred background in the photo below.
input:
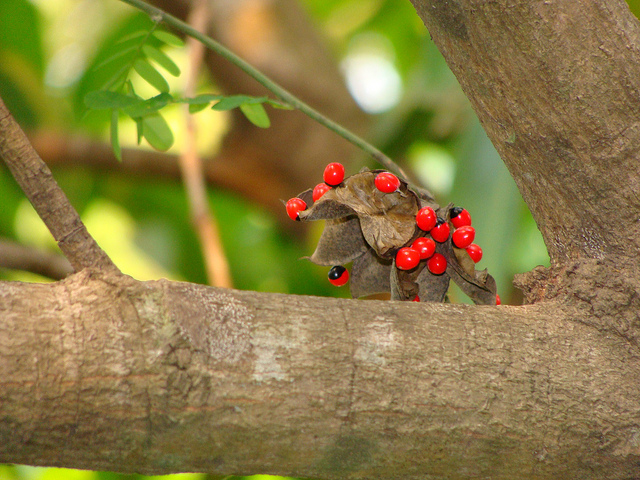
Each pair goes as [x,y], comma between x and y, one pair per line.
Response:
[368,64]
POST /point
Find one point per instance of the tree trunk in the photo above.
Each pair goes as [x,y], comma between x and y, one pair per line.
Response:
[104,372]
[556,86]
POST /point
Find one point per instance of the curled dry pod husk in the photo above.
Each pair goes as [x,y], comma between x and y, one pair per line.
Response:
[367,227]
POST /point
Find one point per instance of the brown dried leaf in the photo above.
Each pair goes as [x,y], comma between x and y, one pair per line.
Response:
[341,242]
[326,209]
[307,196]
[432,288]
[482,290]
[479,286]
[405,283]
[387,219]
[464,260]
[370,274]
[386,232]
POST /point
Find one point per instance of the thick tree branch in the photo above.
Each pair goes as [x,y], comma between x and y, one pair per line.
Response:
[113,374]
[556,86]
[52,205]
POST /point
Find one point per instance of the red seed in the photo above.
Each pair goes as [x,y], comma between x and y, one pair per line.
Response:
[460,217]
[463,237]
[437,264]
[426,219]
[475,252]
[407,258]
[295,205]
[498,301]
[387,182]
[320,190]
[441,231]
[416,299]
[425,247]
[338,275]
[333,174]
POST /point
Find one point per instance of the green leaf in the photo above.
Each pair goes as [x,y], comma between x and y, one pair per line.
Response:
[168,38]
[161,59]
[234,101]
[200,102]
[151,75]
[131,36]
[119,53]
[203,99]
[115,141]
[256,114]
[197,107]
[149,106]
[157,132]
[103,99]
[115,81]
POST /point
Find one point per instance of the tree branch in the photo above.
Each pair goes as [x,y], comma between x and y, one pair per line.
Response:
[53,207]
[18,257]
[555,85]
[156,377]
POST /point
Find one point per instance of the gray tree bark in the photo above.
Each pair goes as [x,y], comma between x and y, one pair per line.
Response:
[103,372]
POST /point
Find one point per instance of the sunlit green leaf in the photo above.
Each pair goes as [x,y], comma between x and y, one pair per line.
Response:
[256,114]
[157,132]
[151,105]
[234,101]
[115,141]
[161,59]
[103,99]
[168,38]
[151,75]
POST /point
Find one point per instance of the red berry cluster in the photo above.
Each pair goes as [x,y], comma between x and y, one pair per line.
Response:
[436,229]
[464,233]
[423,248]
[333,176]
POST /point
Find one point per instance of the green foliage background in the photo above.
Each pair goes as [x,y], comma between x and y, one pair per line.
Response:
[143,223]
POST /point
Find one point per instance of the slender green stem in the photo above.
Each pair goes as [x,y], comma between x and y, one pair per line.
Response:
[158,15]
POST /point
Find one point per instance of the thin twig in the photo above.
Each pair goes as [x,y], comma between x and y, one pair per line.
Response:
[206,226]
[159,15]
[48,199]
